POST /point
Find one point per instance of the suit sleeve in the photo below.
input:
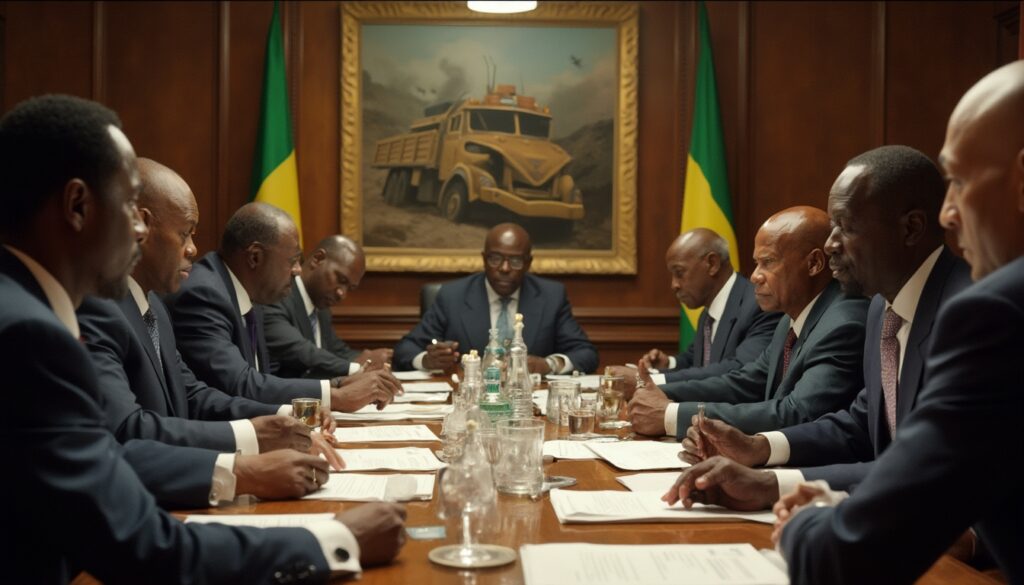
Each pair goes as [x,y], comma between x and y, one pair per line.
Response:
[106,338]
[571,340]
[211,404]
[337,345]
[432,326]
[74,480]
[756,340]
[178,477]
[838,437]
[203,326]
[946,470]
[293,353]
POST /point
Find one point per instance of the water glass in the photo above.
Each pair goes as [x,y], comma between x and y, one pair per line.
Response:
[564,393]
[582,415]
[307,410]
[520,468]
[610,399]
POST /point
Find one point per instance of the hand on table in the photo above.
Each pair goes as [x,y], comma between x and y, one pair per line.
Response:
[323,444]
[279,475]
[802,495]
[379,529]
[723,482]
[275,432]
[715,437]
[647,408]
[375,359]
[655,359]
[356,391]
[442,355]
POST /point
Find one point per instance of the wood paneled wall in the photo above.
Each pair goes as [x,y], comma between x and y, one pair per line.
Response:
[803,86]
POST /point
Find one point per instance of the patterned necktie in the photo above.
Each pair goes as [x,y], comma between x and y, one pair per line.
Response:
[154,333]
[504,331]
[787,350]
[314,324]
[250,325]
[708,323]
[890,350]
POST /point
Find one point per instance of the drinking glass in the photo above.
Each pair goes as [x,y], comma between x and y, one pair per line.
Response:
[564,393]
[582,415]
[520,468]
[467,496]
[307,410]
[610,399]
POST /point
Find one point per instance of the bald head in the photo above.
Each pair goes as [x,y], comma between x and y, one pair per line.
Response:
[507,257]
[790,260]
[334,268]
[698,262]
[169,210]
[260,245]
[983,159]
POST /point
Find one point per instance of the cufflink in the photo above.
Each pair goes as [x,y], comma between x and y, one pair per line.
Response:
[342,555]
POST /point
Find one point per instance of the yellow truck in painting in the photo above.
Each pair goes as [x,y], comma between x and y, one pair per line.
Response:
[496,150]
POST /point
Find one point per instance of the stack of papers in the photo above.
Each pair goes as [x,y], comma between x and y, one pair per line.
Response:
[396,412]
[360,487]
[420,397]
[640,455]
[657,564]
[568,450]
[260,520]
[649,482]
[384,433]
[610,506]
[412,375]
[427,387]
[401,459]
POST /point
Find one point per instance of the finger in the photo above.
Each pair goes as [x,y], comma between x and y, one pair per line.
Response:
[672,495]
[691,458]
[335,460]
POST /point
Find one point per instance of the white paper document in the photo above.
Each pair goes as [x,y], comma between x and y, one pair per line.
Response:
[396,412]
[659,482]
[573,506]
[641,455]
[361,487]
[260,520]
[420,397]
[412,375]
[426,387]
[585,381]
[560,449]
[650,564]
[384,433]
[400,459]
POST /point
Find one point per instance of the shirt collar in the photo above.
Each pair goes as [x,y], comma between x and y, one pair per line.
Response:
[56,295]
[139,295]
[244,302]
[494,297]
[905,303]
[308,302]
[717,306]
[798,323]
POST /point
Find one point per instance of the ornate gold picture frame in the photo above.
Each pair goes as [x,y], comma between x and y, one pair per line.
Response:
[453,121]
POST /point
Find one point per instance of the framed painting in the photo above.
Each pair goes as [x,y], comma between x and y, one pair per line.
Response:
[453,121]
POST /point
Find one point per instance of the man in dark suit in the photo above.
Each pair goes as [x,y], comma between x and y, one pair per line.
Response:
[811,367]
[466,308]
[218,319]
[68,183]
[300,336]
[952,464]
[732,330]
[884,242]
[148,392]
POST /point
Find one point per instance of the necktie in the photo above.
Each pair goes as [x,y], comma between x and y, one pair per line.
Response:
[890,350]
[504,331]
[787,350]
[154,334]
[314,325]
[250,325]
[708,323]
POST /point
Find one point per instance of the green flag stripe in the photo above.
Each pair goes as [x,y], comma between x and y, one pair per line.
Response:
[686,331]
[274,139]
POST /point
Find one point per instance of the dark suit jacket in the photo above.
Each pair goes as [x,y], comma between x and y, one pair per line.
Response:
[845,443]
[77,503]
[953,464]
[143,400]
[744,331]
[214,341]
[461,313]
[824,373]
[293,350]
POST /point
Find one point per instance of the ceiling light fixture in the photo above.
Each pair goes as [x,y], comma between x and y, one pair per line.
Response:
[508,7]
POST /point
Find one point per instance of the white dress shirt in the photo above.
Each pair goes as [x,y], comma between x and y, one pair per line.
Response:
[307,302]
[715,310]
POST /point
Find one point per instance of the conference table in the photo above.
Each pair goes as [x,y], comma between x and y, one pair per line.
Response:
[522,521]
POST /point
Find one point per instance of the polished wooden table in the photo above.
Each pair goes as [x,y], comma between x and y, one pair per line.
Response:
[522,521]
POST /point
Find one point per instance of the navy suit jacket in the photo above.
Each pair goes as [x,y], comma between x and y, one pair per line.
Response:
[843,444]
[79,504]
[461,313]
[744,331]
[953,464]
[146,400]
[293,350]
[824,373]
[214,341]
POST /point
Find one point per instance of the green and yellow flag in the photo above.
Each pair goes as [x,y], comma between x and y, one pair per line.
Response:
[275,177]
[706,201]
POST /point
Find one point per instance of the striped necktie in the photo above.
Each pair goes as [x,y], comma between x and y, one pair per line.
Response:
[709,322]
[154,334]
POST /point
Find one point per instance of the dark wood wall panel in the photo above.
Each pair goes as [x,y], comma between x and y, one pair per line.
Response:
[802,86]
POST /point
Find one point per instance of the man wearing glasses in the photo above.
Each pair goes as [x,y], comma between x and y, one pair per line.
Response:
[467,308]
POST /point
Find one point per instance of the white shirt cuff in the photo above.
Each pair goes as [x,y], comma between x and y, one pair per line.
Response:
[325,394]
[566,363]
[337,542]
[245,437]
[671,412]
[417,362]
[658,379]
[222,485]
[788,479]
[353,368]
[671,362]
[285,410]
[779,448]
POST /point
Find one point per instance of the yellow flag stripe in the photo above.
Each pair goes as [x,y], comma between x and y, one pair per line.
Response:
[701,210]
[281,189]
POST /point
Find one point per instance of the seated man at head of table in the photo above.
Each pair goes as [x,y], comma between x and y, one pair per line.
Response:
[812,365]
[70,227]
[300,336]
[467,308]
[149,392]
[218,319]
[732,329]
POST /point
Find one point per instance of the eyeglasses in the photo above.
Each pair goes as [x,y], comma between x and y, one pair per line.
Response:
[514,262]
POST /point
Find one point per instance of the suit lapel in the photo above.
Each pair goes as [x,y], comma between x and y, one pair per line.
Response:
[920,334]
[531,305]
[477,312]
[775,349]
[242,335]
[819,308]
[729,316]
[298,310]
[138,325]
